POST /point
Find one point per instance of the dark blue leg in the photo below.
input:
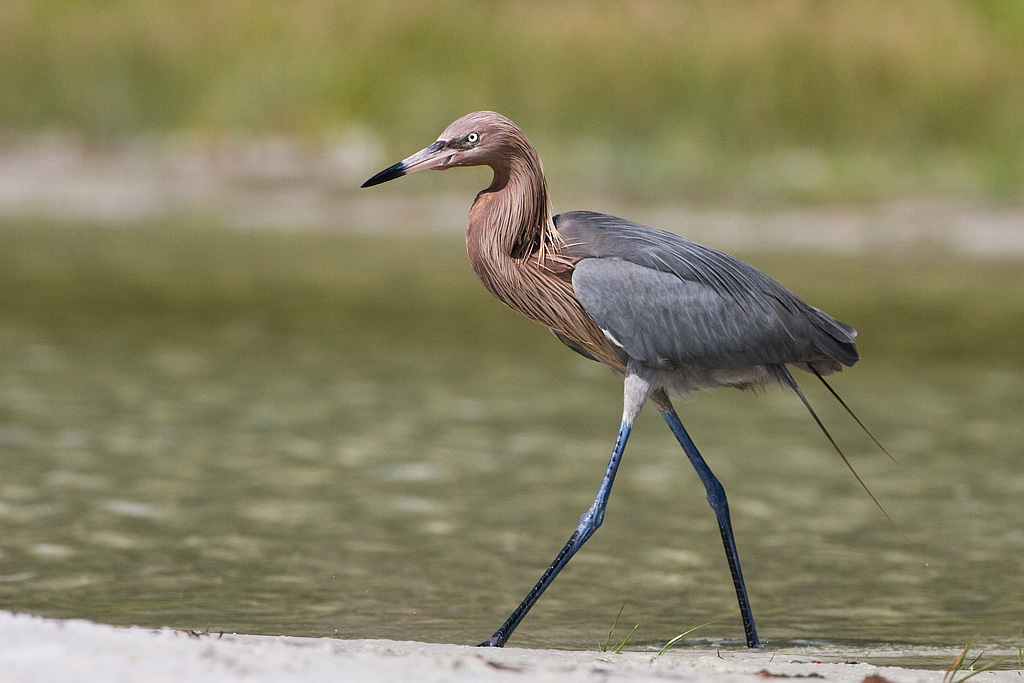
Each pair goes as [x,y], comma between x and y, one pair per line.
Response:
[716,497]
[589,522]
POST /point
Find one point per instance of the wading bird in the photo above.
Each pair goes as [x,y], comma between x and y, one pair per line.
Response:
[670,315]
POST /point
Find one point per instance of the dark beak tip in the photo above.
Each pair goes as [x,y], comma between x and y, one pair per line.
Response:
[389,173]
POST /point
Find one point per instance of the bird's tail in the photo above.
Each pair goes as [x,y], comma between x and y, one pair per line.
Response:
[789,381]
[852,414]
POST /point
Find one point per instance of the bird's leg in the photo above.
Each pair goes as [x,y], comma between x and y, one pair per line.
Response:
[589,521]
[636,392]
[716,497]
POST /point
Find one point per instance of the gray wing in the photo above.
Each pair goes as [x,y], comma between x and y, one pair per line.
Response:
[670,302]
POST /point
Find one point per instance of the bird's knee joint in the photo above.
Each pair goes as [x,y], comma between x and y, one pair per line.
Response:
[590,521]
[716,497]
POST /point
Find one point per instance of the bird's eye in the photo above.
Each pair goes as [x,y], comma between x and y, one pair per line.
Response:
[473,138]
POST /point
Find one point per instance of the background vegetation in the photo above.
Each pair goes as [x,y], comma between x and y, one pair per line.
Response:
[821,99]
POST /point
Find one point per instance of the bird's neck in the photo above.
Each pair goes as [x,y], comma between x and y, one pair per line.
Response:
[519,256]
[511,219]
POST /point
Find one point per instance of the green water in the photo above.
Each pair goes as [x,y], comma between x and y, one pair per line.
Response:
[319,435]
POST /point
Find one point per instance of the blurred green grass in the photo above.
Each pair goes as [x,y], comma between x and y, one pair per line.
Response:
[803,99]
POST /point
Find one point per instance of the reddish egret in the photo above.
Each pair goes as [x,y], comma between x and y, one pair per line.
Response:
[668,314]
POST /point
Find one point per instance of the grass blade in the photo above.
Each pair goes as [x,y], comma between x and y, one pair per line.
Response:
[628,636]
[612,629]
[958,666]
[682,635]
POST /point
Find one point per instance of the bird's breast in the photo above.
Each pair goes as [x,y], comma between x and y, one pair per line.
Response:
[540,288]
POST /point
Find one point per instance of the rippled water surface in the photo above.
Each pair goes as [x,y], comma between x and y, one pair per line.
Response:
[314,435]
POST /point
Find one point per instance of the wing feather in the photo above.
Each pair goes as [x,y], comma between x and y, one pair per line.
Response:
[671,302]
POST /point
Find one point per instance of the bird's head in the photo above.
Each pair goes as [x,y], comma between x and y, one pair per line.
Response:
[483,138]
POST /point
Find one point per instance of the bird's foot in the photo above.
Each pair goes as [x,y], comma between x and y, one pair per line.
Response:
[493,641]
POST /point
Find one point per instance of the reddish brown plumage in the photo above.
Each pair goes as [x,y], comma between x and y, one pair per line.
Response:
[511,238]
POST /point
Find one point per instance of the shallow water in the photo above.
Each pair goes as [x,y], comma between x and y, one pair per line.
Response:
[308,434]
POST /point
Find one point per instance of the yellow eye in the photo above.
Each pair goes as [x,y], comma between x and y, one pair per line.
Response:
[473,138]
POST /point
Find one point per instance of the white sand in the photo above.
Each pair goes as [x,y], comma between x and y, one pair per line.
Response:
[37,650]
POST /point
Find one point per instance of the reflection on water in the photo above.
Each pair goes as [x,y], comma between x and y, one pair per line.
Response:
[318,435]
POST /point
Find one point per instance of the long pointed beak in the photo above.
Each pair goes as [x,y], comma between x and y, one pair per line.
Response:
[434,156]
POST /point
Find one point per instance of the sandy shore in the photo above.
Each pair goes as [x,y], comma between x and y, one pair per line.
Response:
[38,650]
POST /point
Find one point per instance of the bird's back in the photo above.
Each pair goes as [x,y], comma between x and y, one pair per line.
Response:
[675,304]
